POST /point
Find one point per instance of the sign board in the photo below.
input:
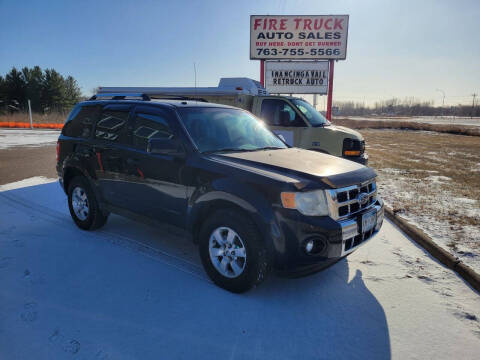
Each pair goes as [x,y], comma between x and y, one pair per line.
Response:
[298,37]
[296,77]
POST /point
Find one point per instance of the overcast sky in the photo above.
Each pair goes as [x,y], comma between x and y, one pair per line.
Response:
[395,48]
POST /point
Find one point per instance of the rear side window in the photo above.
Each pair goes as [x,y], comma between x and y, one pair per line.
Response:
[150,126]
[80,121]
[112,125]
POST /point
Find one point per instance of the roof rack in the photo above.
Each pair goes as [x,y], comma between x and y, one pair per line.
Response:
[176,97]
[121,96]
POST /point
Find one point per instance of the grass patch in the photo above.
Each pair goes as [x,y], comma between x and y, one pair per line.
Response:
[432,179]
[409,125]
[51,118]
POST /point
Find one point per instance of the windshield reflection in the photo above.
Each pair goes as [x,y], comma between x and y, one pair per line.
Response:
[224,129]
[313,116]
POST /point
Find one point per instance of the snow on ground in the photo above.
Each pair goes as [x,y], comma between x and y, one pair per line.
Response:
[397,191]
[446,120]
[130,291]
[437,178]
[26,137]
[36,180]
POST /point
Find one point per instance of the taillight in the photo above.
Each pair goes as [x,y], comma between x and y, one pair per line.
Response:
[58,150]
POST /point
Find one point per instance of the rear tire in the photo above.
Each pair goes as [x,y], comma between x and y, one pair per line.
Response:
[232,251]
[83,205]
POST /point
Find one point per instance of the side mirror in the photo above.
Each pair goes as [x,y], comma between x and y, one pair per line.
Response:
[166,146]
[284,118]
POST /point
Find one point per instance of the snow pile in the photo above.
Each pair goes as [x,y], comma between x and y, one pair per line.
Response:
[438,178]
[25,137]
[36,180]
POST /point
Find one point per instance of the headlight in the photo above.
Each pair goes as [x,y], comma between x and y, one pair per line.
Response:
[312,203]
[353,147]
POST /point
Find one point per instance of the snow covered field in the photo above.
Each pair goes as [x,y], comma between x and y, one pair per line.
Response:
[433,180]
[445,120]
[130,291]
[25,137]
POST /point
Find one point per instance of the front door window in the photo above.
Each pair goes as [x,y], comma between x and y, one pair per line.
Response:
[277,112]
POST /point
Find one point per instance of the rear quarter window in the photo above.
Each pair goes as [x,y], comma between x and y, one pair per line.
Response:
[80,121]
[111,125]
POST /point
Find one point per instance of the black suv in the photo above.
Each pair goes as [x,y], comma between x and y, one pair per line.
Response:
[250,202]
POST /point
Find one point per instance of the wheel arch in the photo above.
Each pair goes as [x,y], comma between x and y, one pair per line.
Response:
[68,174]
[204,208]
[71,172]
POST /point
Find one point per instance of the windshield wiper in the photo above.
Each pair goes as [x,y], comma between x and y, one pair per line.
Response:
[227,150]
[270,148]
[241,150]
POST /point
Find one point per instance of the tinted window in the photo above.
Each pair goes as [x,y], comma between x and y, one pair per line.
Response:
[272,113]
[80,121]
[222,129]
[111,125]
[149,126]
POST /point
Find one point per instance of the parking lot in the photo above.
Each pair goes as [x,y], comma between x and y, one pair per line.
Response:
[133,291]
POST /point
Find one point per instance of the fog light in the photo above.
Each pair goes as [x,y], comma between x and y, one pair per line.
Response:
[309,246]
[314,245]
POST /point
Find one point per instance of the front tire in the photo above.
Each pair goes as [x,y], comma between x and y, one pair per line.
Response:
[232,251]
[83,205]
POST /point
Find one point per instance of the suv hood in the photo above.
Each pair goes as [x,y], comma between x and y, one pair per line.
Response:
[333,171]
[347,131]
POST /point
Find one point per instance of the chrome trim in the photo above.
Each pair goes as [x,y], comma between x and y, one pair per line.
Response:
[349,229]
[334,205]
[379,212]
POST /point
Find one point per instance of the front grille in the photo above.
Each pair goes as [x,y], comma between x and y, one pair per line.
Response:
[347,201]
[357,240]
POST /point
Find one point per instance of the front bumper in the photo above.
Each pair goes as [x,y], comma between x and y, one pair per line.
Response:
[336,239]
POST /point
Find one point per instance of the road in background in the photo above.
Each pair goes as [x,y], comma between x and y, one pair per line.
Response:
[17,163]
[25,153]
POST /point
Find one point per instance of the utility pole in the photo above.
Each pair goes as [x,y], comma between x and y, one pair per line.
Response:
[443,98]
[30,114]
[474,95]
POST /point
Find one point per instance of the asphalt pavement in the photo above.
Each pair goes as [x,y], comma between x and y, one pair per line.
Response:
[17,163]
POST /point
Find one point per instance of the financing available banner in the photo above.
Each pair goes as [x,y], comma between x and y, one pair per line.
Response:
[296,77]
[298,37]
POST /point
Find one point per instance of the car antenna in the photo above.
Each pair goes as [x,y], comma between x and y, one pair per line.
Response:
[195,72]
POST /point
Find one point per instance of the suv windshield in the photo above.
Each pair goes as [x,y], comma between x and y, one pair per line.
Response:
[312,115]
[223,129]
